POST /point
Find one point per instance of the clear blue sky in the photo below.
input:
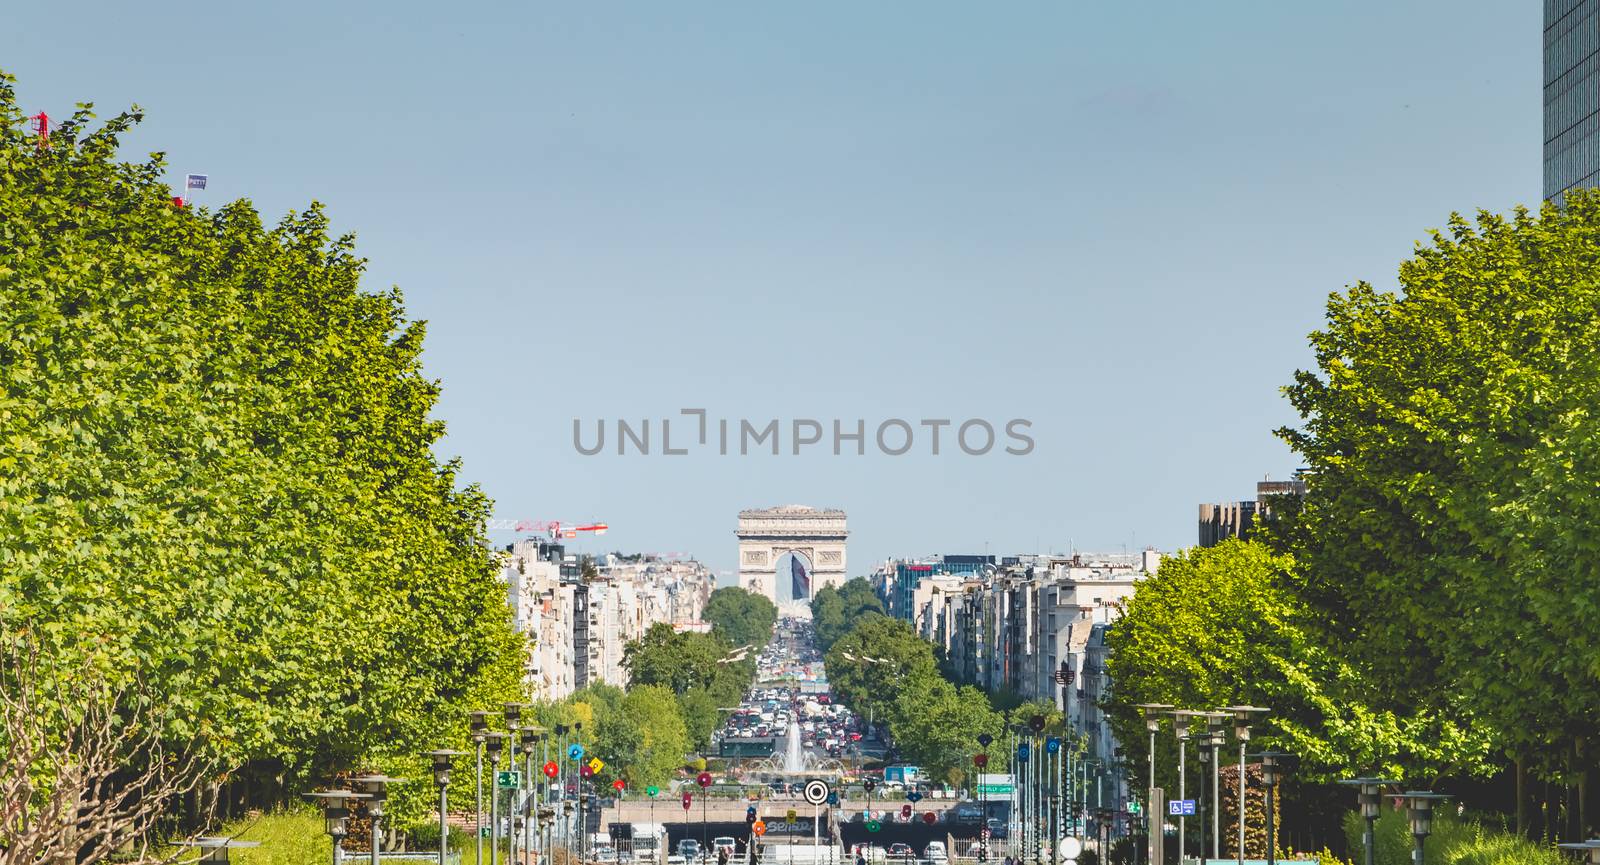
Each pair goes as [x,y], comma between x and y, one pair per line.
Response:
[1117,220]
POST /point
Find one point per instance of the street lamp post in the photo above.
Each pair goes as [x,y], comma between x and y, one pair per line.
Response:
[335,812]
[478,723]
[1242,715]
[1216,724]
[377,789]
[1370,796]
[1180,726]
[1152,723]
[493,744]
[528,808]
[1272,769]
[441,779]
[1419,810]
[1206,747]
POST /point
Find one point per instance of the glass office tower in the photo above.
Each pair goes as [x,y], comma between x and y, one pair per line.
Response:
[1571,95]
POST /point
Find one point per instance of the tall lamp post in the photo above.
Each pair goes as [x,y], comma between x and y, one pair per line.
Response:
[377,789]
[528,808]
[478,723]
[1242,716]
[1216,728]
[493,744]
[1370,794]
[1180,727]
[335,814]
[1419,810]
[441,779]
[1152,723]
[1272,769]
[1206,745]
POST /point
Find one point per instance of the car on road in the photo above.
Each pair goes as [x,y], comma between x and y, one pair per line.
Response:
[689,849]
[935,852]
[723,844]
[901,852]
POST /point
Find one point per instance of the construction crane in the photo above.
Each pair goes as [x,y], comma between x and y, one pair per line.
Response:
[555,528]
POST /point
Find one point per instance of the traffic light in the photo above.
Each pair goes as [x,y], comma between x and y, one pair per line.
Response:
[750,815]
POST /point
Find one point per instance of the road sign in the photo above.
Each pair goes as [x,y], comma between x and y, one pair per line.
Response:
[790,815]
[551,769]
[996,789]
[873,825]
[985,739]
[575,752]
[508,779]
[869,785]
[1022,752]
[816,791]
[652,791]
[1071,847]
[596,765]
[704,780]
[1180,808]
[688,799]
[905,811]
[980,760]
[930,818]
[618,785]
[759,827]
[1036,723]
[833,798]
[586,771]
[913,796]
[1134,807]
[483,831]
[1052,745]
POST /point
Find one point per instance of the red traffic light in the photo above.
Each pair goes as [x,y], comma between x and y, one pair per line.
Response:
[688,799]
[551,769]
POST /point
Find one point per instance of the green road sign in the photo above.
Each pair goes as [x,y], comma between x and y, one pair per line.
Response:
[483,831]
[508,779]
[1133,807]
[996,789]
[873,825]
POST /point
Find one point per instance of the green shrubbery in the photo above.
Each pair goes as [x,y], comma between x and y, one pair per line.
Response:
[1455,841]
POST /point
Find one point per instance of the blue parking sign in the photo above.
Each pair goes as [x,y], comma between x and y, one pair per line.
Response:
[1181,808]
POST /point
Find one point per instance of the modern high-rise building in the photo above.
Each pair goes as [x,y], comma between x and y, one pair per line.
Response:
[1571,95]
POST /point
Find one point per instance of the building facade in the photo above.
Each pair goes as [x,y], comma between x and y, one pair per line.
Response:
[1218,522]
[1571,95]
[578,617]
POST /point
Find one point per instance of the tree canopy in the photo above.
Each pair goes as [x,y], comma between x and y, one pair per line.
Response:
[740,617]
[1452,522]
[834,611]
[691,667]
[217,470]
[1222,626]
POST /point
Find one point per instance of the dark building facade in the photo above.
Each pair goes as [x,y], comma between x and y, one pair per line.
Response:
[1571,95]
[1218,522]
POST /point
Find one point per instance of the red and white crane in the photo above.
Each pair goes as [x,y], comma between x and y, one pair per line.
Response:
[555,528]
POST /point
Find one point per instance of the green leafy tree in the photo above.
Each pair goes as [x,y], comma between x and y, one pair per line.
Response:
[740,617]
[1221,626]
[834,611]
[217,472]
[1450,529]
[877,664]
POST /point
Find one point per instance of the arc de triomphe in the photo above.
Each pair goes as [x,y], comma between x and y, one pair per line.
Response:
[766,534]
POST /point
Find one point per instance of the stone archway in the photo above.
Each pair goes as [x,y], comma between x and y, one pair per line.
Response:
[766,534]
